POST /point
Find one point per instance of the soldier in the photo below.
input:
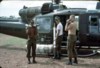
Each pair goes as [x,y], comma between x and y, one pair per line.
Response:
[71,39]
[59,33]
[31,43]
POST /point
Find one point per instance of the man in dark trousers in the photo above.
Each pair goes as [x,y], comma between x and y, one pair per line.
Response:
[31,43]
[59,34]
[71,39]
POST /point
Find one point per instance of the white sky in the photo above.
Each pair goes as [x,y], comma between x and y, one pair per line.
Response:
[8,8]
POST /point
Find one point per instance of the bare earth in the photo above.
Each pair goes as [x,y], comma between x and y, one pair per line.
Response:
[13,55]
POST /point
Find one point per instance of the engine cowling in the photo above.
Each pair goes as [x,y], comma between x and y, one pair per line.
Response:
[29,13]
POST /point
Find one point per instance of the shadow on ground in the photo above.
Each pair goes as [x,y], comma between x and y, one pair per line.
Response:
[8,47]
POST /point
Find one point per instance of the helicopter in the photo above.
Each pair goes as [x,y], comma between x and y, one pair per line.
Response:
[88,26]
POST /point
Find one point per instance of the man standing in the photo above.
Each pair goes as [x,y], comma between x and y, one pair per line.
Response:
[71,39]
[59,33]
[31,43]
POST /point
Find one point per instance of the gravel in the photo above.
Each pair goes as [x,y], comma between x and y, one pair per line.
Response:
[13,55]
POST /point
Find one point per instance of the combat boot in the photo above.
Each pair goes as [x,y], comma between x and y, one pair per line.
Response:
[58,55]
[70,61]
[55,55]
[34,62]
[75,60]
[29,62]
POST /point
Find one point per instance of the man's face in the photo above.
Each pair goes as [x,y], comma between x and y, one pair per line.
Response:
[68,21]
[56,21]
[31,24]
[72,18]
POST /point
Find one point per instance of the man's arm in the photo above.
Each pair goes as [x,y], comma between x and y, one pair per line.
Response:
[57,34]
[58,31]
[68,26]
[36,32]
[27,30]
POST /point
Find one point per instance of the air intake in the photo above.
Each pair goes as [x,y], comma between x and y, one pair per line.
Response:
[47,8]
[98,5]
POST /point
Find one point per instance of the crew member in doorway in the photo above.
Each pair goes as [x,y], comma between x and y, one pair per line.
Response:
[31,43]
[71,27]
[59,33]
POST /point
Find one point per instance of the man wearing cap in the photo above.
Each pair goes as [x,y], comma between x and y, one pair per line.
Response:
[31,43]
[59,33]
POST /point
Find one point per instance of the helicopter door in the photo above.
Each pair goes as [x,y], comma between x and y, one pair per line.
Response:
[99,26]
[93,25]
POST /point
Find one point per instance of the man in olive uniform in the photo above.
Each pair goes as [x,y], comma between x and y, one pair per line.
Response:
[31,43]
[59,33]
[71,39]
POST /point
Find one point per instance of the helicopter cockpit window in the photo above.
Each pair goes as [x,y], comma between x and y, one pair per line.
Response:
[44,25]
[93,24]
[93,20]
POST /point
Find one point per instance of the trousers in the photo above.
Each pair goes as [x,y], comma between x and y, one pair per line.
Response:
[31,48]
[71,44]
[58,43]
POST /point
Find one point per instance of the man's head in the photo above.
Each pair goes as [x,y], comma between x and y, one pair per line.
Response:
[32,23]
[72,17]
[68,20]
[57,19]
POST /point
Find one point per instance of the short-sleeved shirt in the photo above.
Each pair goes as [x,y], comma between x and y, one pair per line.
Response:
[60,27]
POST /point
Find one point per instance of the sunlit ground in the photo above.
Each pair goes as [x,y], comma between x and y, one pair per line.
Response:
[13,55]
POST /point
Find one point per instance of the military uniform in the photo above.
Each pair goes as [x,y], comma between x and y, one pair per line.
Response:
[71,43]
[31,43]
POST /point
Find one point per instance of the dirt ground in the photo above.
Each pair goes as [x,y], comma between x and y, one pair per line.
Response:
[13,55]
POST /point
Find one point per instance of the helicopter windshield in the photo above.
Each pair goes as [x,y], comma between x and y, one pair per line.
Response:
[44,24]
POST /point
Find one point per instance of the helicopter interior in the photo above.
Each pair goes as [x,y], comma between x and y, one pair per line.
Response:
[63,19]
